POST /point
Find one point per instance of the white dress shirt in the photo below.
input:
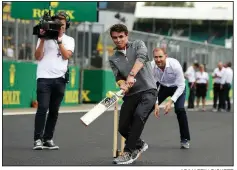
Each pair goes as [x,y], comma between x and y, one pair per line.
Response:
[52,65]
[10,52]
[227,76]
[171,77]
[190,74]
[202,78]
[219,73]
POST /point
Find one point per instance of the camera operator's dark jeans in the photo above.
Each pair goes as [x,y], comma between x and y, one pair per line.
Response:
[50,93]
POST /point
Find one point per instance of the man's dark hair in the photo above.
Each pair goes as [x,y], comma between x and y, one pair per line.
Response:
[196,64]
[229,64]
[119,28]
[62,16]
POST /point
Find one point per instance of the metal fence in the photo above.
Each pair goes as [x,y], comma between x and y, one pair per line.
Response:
[91,38]
[19,43]
[185,51]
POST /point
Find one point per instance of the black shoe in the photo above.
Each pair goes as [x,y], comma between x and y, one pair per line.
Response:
[38,145]
[49,144]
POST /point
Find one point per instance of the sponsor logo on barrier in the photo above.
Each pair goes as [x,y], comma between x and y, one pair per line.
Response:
[72,96]
[85,94]
[73,77]
[77,11]
[12,71]
[37,13]
[11,97]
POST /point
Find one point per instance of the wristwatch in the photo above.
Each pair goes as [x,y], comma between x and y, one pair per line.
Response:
[131,73]
[59,42]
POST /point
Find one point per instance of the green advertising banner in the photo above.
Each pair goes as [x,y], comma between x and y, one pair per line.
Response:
[19,93]
[98,82]
[77,11]
[72,93]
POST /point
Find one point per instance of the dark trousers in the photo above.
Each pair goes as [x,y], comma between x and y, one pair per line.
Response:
[226,89]
[222,96]
[217,96]
[165,92]
[134,113]
[191,96]
[50,93]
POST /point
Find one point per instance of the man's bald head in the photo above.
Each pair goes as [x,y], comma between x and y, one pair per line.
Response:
[220,65]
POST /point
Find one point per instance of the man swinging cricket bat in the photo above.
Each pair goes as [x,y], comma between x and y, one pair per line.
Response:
[130,61]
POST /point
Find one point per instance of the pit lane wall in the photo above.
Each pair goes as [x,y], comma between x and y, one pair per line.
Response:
[19,85]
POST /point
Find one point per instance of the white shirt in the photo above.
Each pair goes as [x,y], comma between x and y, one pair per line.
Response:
[10,52]
[52,65]
[227,76]
[219,73]
[190,74]
[202,78]
[171,77]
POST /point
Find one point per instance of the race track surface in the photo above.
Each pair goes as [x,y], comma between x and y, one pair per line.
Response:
[211,141]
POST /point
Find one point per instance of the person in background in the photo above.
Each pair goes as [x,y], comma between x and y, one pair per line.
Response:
[202,79]
[21,54]
[52,57]
[28,52]
[10,52]
[190,76]
[170,82]
[218,94]
[226,82]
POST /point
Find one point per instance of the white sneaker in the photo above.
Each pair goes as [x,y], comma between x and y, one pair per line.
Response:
[38,145]
[214,110]
[184,144]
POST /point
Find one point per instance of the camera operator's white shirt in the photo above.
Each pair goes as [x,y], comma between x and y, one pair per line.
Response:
[52,65]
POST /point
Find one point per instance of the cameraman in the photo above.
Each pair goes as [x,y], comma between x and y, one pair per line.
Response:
[52,56]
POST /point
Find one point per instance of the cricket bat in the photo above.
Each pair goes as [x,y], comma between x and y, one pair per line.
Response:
[100,108]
